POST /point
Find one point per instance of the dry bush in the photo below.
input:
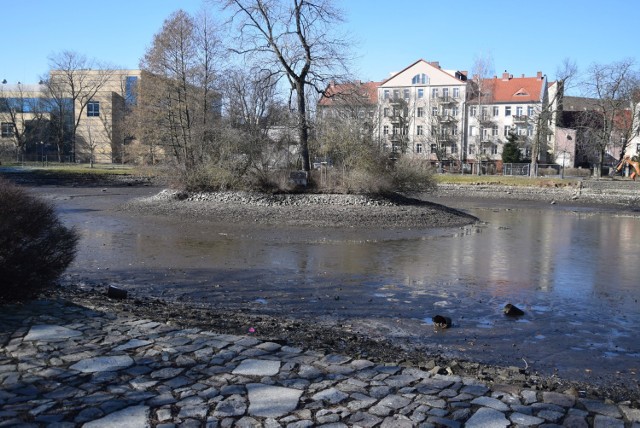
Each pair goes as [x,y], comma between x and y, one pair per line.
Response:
[412,175]
[35,247]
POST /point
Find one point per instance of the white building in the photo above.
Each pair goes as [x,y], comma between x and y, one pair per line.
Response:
[421,112]
[502,105]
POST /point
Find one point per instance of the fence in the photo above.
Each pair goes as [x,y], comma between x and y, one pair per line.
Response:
[544,170]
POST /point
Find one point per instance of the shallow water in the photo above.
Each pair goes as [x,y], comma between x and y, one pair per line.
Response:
[574,273]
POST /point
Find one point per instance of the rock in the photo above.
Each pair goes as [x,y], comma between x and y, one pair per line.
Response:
[440,321]
[512,310]
[116,292]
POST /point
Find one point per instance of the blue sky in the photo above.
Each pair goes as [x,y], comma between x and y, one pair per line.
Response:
[521,37]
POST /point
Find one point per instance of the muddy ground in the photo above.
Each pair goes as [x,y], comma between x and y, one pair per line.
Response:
[336,338]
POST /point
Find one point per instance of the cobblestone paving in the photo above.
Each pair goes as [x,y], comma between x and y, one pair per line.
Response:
[63,365]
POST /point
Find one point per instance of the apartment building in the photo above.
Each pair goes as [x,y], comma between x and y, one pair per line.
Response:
[38,121]
[421,111]
[427,111]
[500,106]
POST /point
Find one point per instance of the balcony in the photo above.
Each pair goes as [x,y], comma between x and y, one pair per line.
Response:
[485,120]
[446,118]
[446,138]
[520,119]
[446,99]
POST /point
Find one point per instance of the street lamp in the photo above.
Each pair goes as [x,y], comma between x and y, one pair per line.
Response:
[42,146]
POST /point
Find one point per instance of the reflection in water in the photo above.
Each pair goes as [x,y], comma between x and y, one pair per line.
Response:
[574,273]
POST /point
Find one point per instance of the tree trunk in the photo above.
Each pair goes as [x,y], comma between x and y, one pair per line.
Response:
[303,129]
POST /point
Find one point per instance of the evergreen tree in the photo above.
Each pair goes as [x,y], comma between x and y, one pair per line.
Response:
[511,150]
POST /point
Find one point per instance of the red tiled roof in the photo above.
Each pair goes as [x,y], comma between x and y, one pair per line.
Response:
[507,89]
[365,92]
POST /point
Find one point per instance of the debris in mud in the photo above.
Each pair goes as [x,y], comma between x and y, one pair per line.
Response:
[512,310]
[440,321]
[115,292]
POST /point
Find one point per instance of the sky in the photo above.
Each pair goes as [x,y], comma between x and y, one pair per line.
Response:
[521,37]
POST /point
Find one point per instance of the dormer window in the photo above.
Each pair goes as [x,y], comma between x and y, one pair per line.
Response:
[420,79]
[521,93]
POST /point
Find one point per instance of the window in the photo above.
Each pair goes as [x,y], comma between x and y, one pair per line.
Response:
[530,131]
[454,131]
[456,92]
[485,113]
[420,79]
[434,111]
[454,148]
[434,148]
[494,130]
[396,94]
[419,130]
[494,149]
[507,128]
[93,109]
[473,131]
[530,111]
[496,111]
[406,94]
[507,111]
[445,93]
[420,93]
[518,111]
[420,112]
[474,111]
[405,130]
[434,92]
[395,130]
[419,148]
[7,129]
[385,130]
[131,91]
[386,94]
[472,149]
[385,112]
[485,133]
[455,111]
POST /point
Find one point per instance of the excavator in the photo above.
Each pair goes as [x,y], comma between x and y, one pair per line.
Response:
[633,164]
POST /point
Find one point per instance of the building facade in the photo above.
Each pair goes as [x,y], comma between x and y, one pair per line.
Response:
[506,105]
[441,115]
[75,116]
[421,112]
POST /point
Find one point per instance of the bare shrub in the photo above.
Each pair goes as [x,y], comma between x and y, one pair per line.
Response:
[412,175]
[35,247]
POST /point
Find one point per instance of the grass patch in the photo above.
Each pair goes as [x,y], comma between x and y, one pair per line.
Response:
[505,180]
[71,170]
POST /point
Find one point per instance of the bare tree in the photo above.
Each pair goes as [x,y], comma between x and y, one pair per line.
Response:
[480,95]
[296,40]
[23,115]
[345,125]
[72,83]
[254,111]
[614,88]
[547,115]
[179,87]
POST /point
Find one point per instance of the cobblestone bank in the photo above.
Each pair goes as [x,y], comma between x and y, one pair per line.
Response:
[316,210]
[605,192]
[67,365]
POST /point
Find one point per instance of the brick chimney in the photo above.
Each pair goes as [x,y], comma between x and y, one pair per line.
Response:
[539,75]
[505,75]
